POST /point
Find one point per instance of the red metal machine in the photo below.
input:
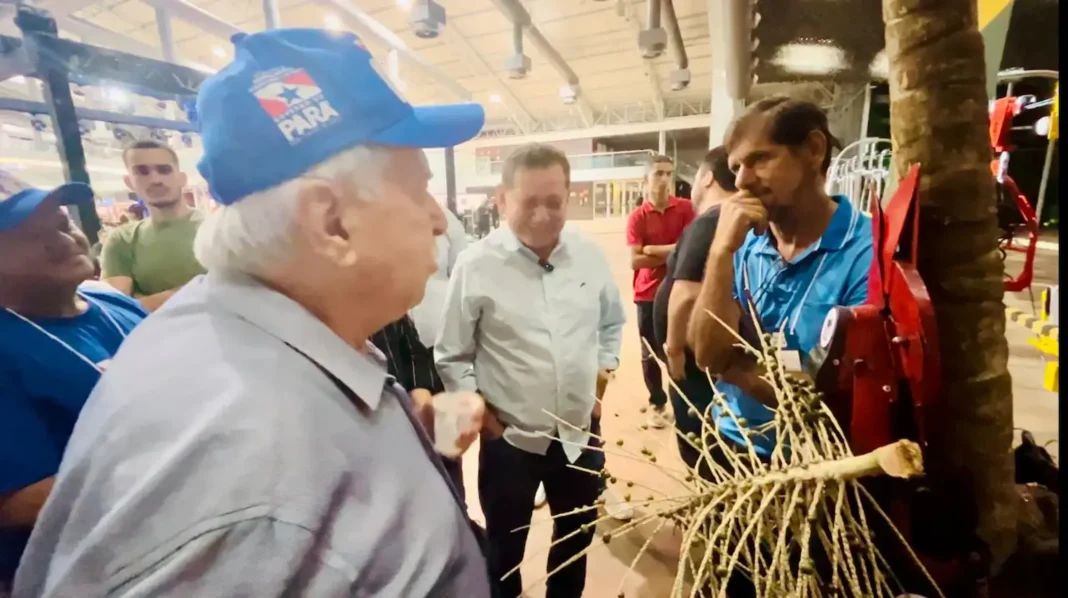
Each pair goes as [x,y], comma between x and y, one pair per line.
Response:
[878,368]
[1002,112]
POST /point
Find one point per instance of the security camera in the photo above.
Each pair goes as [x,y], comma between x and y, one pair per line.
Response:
[426,17]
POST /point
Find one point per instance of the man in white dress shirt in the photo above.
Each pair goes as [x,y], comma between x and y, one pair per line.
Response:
[532,318]
[427,315]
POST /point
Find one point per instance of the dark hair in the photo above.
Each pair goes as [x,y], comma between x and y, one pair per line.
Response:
[715,161]
[658,159]
[534,156]
[788,122]
[148,144]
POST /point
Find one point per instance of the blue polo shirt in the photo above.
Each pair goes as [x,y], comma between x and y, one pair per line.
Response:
[796,297]
[43,386]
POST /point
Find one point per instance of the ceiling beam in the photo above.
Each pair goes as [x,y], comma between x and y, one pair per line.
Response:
[196,16]
[520,114]
[369,28]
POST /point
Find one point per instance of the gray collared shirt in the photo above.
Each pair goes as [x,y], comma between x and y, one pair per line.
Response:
[215,460]
[529,339]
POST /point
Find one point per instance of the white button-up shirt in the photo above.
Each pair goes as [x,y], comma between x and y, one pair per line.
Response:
[529,338]
[427,315]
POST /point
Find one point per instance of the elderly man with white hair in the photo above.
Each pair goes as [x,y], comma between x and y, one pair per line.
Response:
[247,441]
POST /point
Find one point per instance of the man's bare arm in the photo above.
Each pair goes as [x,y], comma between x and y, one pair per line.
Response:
[712,343]
[21,507]
[658,251]
[680,308]
[122,284]
[639,260]
[153,302]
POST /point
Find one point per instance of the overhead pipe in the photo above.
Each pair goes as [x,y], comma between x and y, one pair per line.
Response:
[519,16]
[653,38]
[680,77]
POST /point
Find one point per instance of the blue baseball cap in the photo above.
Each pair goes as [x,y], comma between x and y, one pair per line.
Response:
[293,98]
[18,200]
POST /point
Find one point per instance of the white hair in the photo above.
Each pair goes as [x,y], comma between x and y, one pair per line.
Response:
[257,230]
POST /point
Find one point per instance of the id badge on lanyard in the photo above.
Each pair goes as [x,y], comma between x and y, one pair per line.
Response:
[790,358]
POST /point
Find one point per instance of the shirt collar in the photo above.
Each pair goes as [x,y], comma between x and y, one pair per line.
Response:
[838,231]
[672,202]
[285,319]
[509,242]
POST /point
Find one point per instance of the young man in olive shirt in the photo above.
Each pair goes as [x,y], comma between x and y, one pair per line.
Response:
[152,258]
[676,296]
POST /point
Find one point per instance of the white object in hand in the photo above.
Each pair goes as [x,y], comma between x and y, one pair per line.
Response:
[455,414]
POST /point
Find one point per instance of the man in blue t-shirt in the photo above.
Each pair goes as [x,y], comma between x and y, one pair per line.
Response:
[783,245]
[57,333]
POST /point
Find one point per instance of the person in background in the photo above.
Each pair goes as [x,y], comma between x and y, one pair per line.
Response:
[150,259]
[652,231]
[713,184]
[532,321]
[248,440]
[783,245]
[57,334]
[136,212]
[427,315]
[411,363]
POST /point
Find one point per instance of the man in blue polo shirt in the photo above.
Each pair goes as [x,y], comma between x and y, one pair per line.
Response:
[783,245]
[56,337]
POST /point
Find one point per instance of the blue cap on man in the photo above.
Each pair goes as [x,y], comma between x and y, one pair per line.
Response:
[18,199]
[293,98]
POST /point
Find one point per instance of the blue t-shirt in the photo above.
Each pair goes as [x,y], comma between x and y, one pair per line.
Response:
[43,386]
[796,297]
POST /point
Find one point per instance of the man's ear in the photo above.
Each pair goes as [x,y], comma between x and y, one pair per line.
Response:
[816,146]
[319,223]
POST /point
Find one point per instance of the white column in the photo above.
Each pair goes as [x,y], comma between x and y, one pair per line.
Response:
[724,109]
[661,143]
[272,18]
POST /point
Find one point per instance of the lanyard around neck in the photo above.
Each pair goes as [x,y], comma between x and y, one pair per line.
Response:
[107,315]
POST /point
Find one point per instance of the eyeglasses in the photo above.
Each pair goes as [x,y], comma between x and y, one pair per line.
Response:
[146,169]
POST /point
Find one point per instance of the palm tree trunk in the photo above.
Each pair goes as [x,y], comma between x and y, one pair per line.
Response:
[939,119]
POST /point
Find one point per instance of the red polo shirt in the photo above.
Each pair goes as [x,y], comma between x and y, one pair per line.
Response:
[646,226]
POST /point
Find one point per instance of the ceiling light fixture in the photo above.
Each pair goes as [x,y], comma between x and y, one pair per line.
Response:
[880,66]
[332,22]
[18,79]
[219,51]
[496,99]
[810,59]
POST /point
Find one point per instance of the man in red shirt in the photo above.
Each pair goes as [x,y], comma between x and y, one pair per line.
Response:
[652,231]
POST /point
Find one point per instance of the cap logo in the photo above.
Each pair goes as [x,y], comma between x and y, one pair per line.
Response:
[295,102]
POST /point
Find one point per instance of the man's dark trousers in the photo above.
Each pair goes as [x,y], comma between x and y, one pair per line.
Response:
[508,479]
[654,380]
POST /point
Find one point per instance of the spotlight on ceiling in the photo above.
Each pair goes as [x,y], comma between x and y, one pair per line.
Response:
[810,58]
[568,94]
[495,98]
[427,18]
[880,66]
[219,51]
[332,22]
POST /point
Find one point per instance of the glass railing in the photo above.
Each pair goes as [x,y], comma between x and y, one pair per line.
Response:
[580,161]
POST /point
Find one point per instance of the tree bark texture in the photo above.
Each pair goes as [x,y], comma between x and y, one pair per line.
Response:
[939,119]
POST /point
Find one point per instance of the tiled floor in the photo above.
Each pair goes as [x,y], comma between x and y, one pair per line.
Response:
[1036,410]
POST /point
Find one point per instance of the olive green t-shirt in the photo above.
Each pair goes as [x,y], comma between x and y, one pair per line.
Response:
[157,256]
